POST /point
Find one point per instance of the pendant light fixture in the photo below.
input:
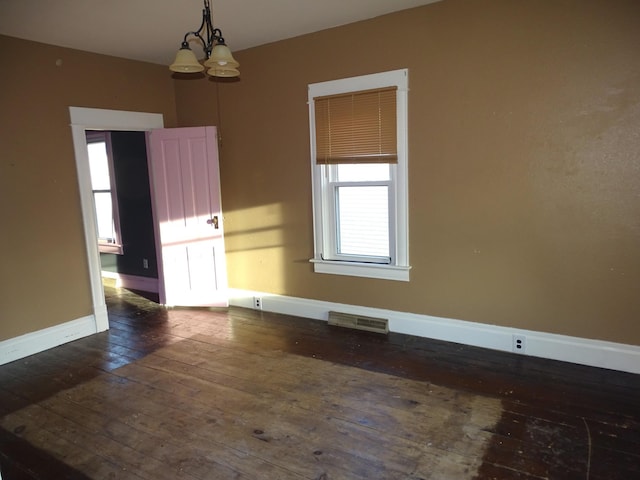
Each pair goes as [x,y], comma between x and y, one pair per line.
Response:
[218,58]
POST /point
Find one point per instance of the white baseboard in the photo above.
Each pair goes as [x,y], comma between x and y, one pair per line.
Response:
[41,340]
[594,353]
[133,282]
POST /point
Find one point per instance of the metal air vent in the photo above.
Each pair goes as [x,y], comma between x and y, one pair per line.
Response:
[359,322]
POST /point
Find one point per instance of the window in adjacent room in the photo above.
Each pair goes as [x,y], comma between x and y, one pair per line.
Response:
[358,130]
[104,192]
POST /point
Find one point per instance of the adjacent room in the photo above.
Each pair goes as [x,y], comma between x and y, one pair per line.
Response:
[450,292]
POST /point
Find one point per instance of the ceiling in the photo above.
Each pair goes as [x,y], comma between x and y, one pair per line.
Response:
[152,30]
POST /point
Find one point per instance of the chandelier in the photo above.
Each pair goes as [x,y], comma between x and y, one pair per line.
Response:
[218,58]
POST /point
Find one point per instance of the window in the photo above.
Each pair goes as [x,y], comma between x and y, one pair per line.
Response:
[358,130]
[103,185]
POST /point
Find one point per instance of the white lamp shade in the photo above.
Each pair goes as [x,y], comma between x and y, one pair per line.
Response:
[186,62]
[221,56]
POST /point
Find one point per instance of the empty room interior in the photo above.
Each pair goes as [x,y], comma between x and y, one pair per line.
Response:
[341,240]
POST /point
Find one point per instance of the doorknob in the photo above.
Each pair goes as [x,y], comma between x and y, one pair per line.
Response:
[213,221]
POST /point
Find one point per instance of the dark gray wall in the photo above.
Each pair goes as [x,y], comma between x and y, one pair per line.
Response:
[134,201]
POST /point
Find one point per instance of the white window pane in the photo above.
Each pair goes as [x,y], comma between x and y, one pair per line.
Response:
[363,172]
[363,220]
[104,217]
[99,166]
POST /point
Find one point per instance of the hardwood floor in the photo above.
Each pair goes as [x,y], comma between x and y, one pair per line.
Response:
[217,394]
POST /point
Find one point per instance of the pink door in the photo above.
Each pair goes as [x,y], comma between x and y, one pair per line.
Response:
[185,184]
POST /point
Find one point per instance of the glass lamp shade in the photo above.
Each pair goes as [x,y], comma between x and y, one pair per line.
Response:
[225,71]
[186,62]
[221,57]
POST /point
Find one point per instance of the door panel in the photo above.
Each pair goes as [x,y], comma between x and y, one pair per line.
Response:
[185,179]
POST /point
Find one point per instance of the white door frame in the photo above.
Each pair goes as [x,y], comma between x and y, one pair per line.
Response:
[99,119]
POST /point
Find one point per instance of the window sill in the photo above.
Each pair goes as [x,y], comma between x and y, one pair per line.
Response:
[110,248]
[368,270]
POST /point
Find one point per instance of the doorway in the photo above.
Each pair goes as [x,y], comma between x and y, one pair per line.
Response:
[118,161]
[83,119]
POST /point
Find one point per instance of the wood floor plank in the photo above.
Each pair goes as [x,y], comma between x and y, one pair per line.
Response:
[155,377]
[227,434]
[310,402]
[395,413]
[163,415]
[67,438]
[212,393]
[236,413]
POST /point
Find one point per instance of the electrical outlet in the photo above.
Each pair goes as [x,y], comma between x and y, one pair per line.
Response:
[145,263]
[519,343]
[257,303]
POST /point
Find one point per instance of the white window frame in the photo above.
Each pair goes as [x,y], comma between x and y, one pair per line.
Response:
[323,211]
[117,246]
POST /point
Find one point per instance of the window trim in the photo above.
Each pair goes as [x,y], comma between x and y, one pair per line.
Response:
[399,268]
[107,247]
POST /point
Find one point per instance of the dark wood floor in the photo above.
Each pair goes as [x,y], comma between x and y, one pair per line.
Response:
[199,394]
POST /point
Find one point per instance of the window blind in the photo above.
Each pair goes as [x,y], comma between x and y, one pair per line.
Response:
[356,127]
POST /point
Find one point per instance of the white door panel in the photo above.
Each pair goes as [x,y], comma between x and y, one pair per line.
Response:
[185,179]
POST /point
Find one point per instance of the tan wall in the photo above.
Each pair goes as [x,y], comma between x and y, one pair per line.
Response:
[524,162]
[524,168]
[44,277]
